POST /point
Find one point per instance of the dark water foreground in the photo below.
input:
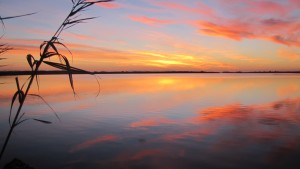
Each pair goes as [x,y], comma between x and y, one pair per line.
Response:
[159,121]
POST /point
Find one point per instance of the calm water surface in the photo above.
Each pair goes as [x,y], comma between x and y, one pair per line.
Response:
[178,121]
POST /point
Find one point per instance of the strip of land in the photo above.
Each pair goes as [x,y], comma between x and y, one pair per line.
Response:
[14,73]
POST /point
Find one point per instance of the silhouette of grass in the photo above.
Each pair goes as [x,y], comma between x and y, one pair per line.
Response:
[48,49]
[4,47]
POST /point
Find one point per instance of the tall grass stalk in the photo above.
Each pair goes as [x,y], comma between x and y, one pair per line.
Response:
[48,49]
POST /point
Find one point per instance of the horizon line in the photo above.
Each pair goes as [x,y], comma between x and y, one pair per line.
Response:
[53,72]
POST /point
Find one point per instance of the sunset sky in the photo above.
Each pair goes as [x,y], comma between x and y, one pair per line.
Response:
[210,35]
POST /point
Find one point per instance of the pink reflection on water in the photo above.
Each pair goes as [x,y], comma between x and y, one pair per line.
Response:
[94,141]
[198,135]
[152,122]
[288,90]
[145,153]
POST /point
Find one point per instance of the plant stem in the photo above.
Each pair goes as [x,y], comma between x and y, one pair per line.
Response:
[78,6]
[34,73]
[19,109]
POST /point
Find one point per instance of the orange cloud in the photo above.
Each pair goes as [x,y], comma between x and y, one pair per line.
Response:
[92,142]
[149,21]
[106,59]
[244,58]
[289,54]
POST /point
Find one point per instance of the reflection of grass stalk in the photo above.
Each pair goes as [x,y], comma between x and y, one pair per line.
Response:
[48,49]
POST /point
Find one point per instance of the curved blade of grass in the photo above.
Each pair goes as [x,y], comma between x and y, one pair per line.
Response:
[63,45]
[20,94]
[63,67]
[31,61]
[50,54]
[43,121]
[20,118]
[10,17]
[68,68]
[26,81]
[55,113]
[79,21]
[11,106]
[99,87]
[20,122]
[41,48]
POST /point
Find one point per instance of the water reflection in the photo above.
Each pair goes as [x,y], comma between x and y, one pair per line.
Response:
[162,121]
[94,141]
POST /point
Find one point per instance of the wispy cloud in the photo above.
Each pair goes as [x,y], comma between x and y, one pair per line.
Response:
[149,20]
[240,19]
[290,54]
[110,5]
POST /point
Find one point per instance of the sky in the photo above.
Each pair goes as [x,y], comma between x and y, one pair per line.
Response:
[161,35]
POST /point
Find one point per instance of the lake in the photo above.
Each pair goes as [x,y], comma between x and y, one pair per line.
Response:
[158,121]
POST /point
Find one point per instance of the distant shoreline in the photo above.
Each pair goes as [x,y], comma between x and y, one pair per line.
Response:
[14,73]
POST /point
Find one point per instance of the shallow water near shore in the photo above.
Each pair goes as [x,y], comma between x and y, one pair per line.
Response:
[158,121]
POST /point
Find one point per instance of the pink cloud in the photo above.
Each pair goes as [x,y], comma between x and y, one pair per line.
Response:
[260,7]
[242,19]
[234,31]
[295,3]
[198,8]
[275,30]
[109,5]
[267,7]
[235,19]
[149,21]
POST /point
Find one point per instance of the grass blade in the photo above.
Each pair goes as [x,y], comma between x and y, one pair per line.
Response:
[43,121]
[20,122]
[30,60]
[10,17]
[36,95]
[11,106]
